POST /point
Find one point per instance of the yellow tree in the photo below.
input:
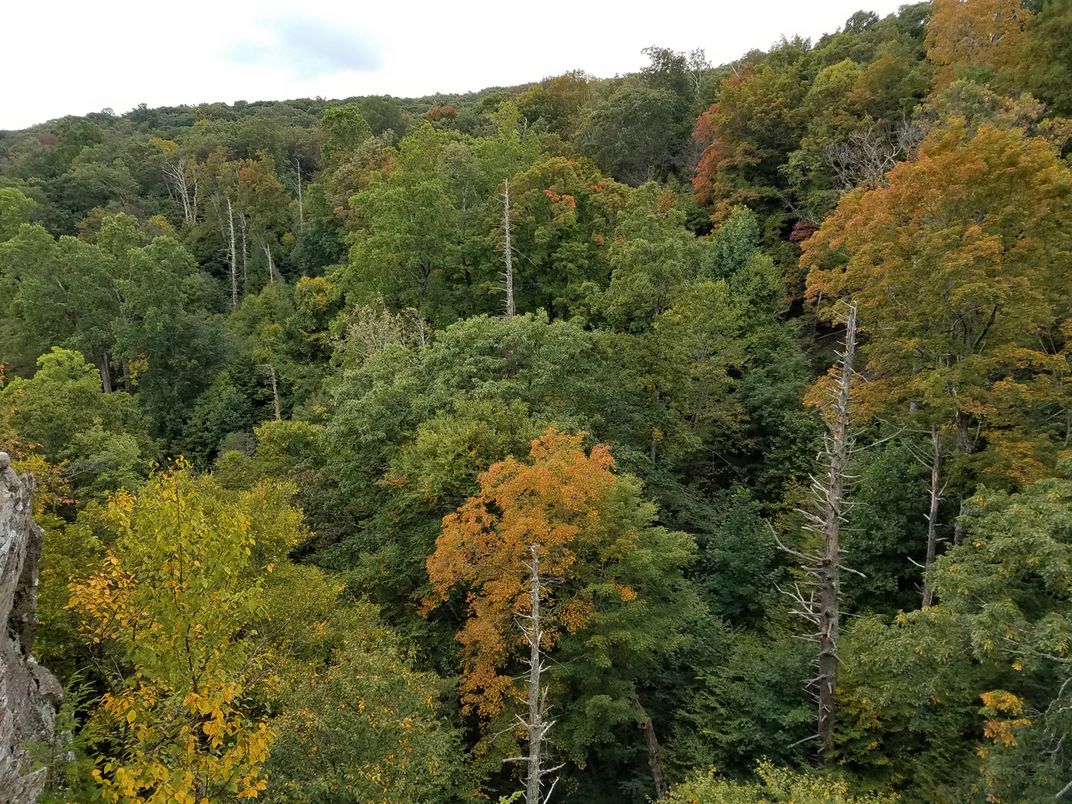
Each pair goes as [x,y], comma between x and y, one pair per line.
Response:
[975,35]
[171,612]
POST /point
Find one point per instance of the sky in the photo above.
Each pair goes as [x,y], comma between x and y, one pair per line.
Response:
[63,57]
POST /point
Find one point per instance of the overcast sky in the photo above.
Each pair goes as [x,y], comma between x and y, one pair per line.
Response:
[73,56]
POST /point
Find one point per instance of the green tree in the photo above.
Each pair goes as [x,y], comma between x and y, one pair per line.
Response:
[170,341]
[357,723]
[100,440]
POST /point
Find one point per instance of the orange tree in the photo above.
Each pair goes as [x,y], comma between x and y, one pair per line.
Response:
[965,36]
[960,268]
[614,600]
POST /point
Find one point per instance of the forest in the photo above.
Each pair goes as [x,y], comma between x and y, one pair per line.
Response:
[700,434]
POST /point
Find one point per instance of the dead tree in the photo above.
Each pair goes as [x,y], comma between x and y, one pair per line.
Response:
[268,254]
[301,202]
[508,256]
[179,183]
[655,752]
[818,597]
[937,491]
[536,724]
[233,256]
[270,369]
[245,250]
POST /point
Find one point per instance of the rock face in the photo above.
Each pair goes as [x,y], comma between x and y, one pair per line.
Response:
[29,694]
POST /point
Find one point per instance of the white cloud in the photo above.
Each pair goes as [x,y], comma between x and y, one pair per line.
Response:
[73,57]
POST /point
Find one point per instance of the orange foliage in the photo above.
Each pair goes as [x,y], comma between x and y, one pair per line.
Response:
[555,501]
[959,269]
[967,34]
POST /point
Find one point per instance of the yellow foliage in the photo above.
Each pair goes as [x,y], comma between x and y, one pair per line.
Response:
[173,605]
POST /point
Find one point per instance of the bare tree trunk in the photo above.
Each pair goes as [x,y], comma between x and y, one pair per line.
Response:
[271,265]
[301,203]
[655,754]
[196,198]
[936,493]
[536,724]
[536,728]
[234,260]
[245,250]
[105,371]
[508,256]
[838,449]
[275,392]
[958,526]
[175,178]
[821,606]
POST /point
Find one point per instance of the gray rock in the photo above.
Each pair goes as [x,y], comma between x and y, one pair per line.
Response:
[29,694]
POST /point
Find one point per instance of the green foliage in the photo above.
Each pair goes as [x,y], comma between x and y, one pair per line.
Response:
[748,704]
[15,210]
[101,440]
[172,609]
[344,129]
[775,785]
[304,297]
[357,723]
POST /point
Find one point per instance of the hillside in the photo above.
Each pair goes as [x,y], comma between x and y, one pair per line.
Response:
[698,434]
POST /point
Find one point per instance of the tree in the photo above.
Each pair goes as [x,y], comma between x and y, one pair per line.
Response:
[1046,64]
[958,268]
[652,257]
[975,35]
[971,693]
[357,722]
[822,606]
[637,133]
[616,591]
[1007,586]
[15,209]
[169,340]
[406,249]
[63,294]
[172,612]
[774,785]
[344,128]
[99,440]
[748,134]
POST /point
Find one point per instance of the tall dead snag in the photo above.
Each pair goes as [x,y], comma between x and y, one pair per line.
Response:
[182,186]
[270,369]
[508,256]
[819,602]
[937,491]
[655,752]
[536,724]
[301,201]
[232,256]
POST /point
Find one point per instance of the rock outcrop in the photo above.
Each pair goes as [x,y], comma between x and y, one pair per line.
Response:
[29,694]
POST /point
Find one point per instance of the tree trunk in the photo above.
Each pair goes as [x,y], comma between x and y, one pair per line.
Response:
[245,251]
[271,265]
[536,727]
[508,256]
[301,203]
[839,447]
[932,515]
[275,392]
[105,371]
[234,259]
[655,754]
